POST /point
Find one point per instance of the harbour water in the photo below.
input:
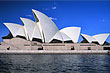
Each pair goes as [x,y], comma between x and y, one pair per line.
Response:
[51,63]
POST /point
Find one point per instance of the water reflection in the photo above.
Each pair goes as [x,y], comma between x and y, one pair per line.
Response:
[55,63]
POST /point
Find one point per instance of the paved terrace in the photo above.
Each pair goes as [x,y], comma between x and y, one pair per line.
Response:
[54,52]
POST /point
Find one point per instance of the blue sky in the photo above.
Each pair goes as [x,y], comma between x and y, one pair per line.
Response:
[92,16]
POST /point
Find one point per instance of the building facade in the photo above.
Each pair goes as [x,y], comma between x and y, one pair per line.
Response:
[43,34]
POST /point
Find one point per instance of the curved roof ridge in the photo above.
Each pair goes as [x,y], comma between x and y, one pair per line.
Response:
[88,38]
[65,37]
[72,32]
[45,23]
[15,29]
[31,28]
[101,38]
[57,36]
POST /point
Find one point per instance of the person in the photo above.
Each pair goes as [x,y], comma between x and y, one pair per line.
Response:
[8,48]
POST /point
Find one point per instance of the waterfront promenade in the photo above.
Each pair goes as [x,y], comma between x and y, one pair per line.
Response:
[54,52]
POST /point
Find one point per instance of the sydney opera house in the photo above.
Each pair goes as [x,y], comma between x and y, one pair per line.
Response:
[43,34]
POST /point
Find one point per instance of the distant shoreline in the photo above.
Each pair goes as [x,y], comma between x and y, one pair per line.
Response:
[54,52]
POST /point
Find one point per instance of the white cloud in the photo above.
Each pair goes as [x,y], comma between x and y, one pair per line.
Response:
[54,3]
[52,18]
[29,15]
[54,7]
[46,9]
[103,20]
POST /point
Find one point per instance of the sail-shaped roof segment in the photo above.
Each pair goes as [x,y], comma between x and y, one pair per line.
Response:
[61,36]
[101,38]
[65,37]
[15,29]
[21,32]
[47,27]
[88,38]
[31,28]
[72,32]
[36,32]
[57,36]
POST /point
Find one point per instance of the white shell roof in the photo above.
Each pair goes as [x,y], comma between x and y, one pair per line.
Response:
[57,36]
[46,30]
[15,29]
[72,32]
[36,33]
[100,38]
[47,27]
[31,28]
[61,36]
[65,37]
[88,38]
